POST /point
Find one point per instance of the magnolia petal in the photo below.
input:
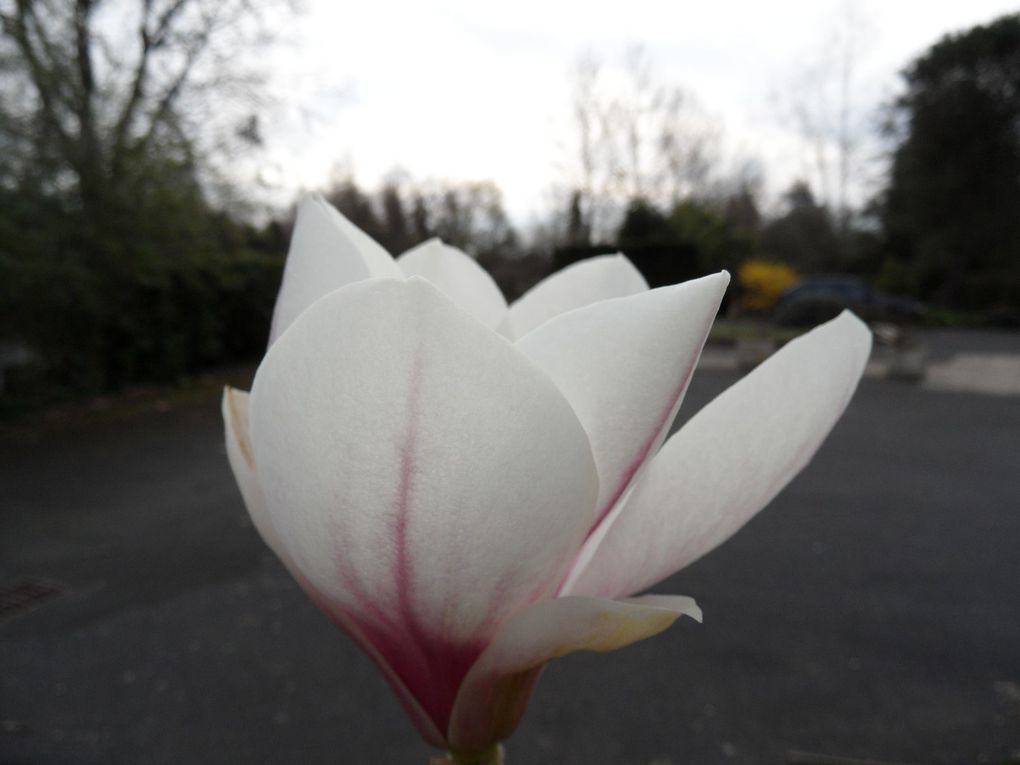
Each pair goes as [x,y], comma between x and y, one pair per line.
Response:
[326,252]
[241,458]
[420,472]
[458,276]
[624,366]
[379,262]
[422,722]
[242,462]
[729,460]
[496,690]
[577,285]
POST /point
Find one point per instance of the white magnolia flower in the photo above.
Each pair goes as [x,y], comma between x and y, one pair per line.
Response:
[471,490]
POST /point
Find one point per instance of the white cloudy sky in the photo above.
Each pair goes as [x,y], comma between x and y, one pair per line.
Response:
[474,90]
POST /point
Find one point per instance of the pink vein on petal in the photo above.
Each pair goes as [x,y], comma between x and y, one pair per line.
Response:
[430,664]
[403,571]
[356,629]
[664,421]
[424,666]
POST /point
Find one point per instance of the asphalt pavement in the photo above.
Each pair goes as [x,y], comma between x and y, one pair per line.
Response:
[871,613]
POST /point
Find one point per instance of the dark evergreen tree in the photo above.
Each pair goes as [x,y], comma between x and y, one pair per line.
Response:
[949,215]
[113,260]
[805,236]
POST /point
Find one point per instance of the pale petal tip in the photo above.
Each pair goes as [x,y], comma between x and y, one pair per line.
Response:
[230,394]
[427,244]
[306,204]
[677,604]
[710,288]
[420,282]
[858,329]
[721,278]
[846,315]
[608,256]
[310,198]
[420,286]
[724,279]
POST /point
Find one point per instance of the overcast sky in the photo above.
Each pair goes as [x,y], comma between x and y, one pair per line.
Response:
[472,90]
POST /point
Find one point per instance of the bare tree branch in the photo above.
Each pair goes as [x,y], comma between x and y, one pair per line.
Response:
[822,105]
[52,58]
[42,80]
[150,41]
[85,98]
[86,77]
[137,83]
[165,103]
[166,20]
[638,137]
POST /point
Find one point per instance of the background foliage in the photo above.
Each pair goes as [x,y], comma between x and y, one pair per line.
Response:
[949,214]
[125,258]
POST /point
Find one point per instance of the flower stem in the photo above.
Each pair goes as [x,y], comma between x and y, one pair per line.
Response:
[491,756]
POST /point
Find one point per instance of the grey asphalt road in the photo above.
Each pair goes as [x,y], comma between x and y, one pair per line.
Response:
[943,344]
[871,612]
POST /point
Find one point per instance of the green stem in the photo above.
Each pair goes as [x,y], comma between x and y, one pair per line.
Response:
[491,756]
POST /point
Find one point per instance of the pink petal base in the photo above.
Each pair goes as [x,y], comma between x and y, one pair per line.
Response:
[424,722]
[424,672]
[431,668]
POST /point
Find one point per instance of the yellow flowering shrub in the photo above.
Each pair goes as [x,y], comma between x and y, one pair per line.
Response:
[762,282]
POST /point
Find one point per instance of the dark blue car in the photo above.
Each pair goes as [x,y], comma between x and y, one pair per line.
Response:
[820,298]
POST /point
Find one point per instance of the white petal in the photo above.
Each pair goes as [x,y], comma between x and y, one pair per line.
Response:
[420,472]
[419,717]
[326,252]
[379,262]
[241,458]
[729,460]
[242,461]
[577,285]
[458,276]
[495,691]
[624,366]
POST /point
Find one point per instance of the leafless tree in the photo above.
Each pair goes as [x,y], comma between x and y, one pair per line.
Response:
[91,88]
[637,137]
[823,105]
[470,215]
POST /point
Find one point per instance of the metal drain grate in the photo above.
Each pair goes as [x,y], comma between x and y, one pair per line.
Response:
[24,594]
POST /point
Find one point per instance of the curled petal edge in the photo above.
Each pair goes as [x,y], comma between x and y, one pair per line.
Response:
[495,691]
[327,252]
[579,284]
[727,462]
[458,276]
[242,462]
[624,365]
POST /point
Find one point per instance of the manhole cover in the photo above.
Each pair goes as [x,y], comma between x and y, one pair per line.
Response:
[21,595]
